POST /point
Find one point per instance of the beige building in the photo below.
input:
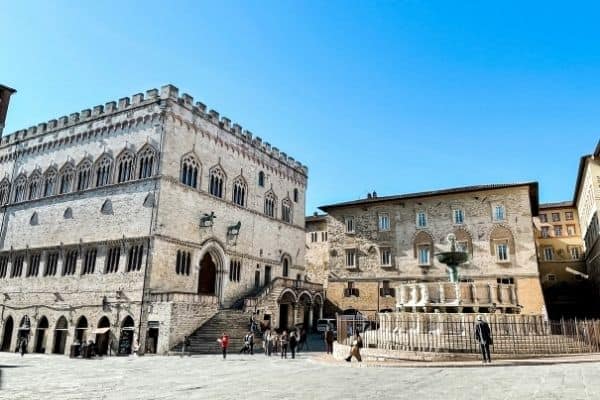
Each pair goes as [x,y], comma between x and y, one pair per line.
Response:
[587,201]
[139,220]
[376,243]
[561,260]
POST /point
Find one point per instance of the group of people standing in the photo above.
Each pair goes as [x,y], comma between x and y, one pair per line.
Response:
[274,343]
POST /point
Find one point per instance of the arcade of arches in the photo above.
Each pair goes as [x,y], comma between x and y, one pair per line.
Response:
[299,308]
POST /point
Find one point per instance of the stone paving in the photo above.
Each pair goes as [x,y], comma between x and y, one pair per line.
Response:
[259,377]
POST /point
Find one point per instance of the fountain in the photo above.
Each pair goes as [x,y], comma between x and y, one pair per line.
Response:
[452,259]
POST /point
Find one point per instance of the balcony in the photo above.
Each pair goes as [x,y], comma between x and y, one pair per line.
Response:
[456,297]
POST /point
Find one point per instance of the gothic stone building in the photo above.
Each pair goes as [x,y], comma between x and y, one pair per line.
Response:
[137,221]
[377,243]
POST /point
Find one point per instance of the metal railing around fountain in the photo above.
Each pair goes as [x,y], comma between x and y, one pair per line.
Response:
[511,334]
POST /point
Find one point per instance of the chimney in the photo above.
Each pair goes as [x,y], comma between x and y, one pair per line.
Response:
[374,194]
[5,93]
[368,195]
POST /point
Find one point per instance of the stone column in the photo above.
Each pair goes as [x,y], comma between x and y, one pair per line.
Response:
[321,311]
[494,293]
[295,317]
[310,317]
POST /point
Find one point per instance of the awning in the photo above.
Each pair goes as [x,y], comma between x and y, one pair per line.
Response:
[100,331]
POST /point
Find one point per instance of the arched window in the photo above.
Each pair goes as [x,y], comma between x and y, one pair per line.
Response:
[146,162]
[286,210]
[34,186]
[103,170]
[83,174]
[295,195]
[50,182]
[261,179]
[190,168]
[270,201]
[217,182]
[125,166]
[4,191]
[286,267]
[67,177]
[239,191]
[20,187]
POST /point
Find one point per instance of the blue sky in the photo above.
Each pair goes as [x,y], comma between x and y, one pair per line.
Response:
[395,97]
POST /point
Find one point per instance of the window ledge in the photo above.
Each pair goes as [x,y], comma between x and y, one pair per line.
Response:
[389,266]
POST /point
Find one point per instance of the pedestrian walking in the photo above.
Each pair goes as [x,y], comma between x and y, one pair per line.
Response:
[283,340]
[224,342]
[265,342]
[293,344]
[276,343]
[185,346]
[357,344]
[136,347]
[483,335]
[270,337]
[329,340]
[246,348]
[23,346]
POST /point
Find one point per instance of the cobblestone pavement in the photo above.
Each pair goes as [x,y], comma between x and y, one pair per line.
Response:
[259,377]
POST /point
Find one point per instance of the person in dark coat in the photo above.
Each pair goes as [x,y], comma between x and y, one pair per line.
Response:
[483,335]
[23,346]
[293,344]
[329,340]
[357,344]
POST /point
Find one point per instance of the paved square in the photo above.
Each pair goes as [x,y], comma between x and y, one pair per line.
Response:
[258,377]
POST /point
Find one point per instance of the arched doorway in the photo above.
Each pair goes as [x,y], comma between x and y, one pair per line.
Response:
[7,336]
[40,336]
[60,335]
[208,275]
[305,305]
[103,336]
[126,336]
[80,329]
[286,311]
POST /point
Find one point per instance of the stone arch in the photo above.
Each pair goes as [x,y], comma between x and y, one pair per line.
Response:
[464,236]
[102,335]
[287,296]
[501,233]
[317,298]
[240,191]
[20,187]
[422,238]
[68,214]
[84,173]
[7,333]
[34,220]
[147,161]
[80,329]
[270,204]
[217,181]
[106,207]
[66,178]
[60,335]
[34,185]
[4,191]
[50,179]
[126,336]
[211,268]
[40,335]
[305,297]
[103,170]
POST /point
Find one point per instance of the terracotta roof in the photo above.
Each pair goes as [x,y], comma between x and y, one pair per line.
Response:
[533,194]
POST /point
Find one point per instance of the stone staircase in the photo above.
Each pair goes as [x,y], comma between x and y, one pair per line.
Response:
[234,322]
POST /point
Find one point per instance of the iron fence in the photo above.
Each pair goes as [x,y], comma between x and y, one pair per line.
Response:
[455,333]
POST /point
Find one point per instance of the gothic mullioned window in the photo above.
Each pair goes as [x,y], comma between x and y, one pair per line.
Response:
[125,166]
[270,201]
[103,170]
[286,210]
[84,170]
[3,266]
[190,168]
[4,191]
[20,188]
[33,267]
[51,263]
[239,191]
[217,182]
[146,162]
[67,177]
[17,266]
[70,263]
[89,261]
[235,270]
[50,182]
[34,186]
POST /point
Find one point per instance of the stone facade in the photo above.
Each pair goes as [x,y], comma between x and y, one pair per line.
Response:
[561,260]
[378,242]
[587,201]
[151,208]
[317,249]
